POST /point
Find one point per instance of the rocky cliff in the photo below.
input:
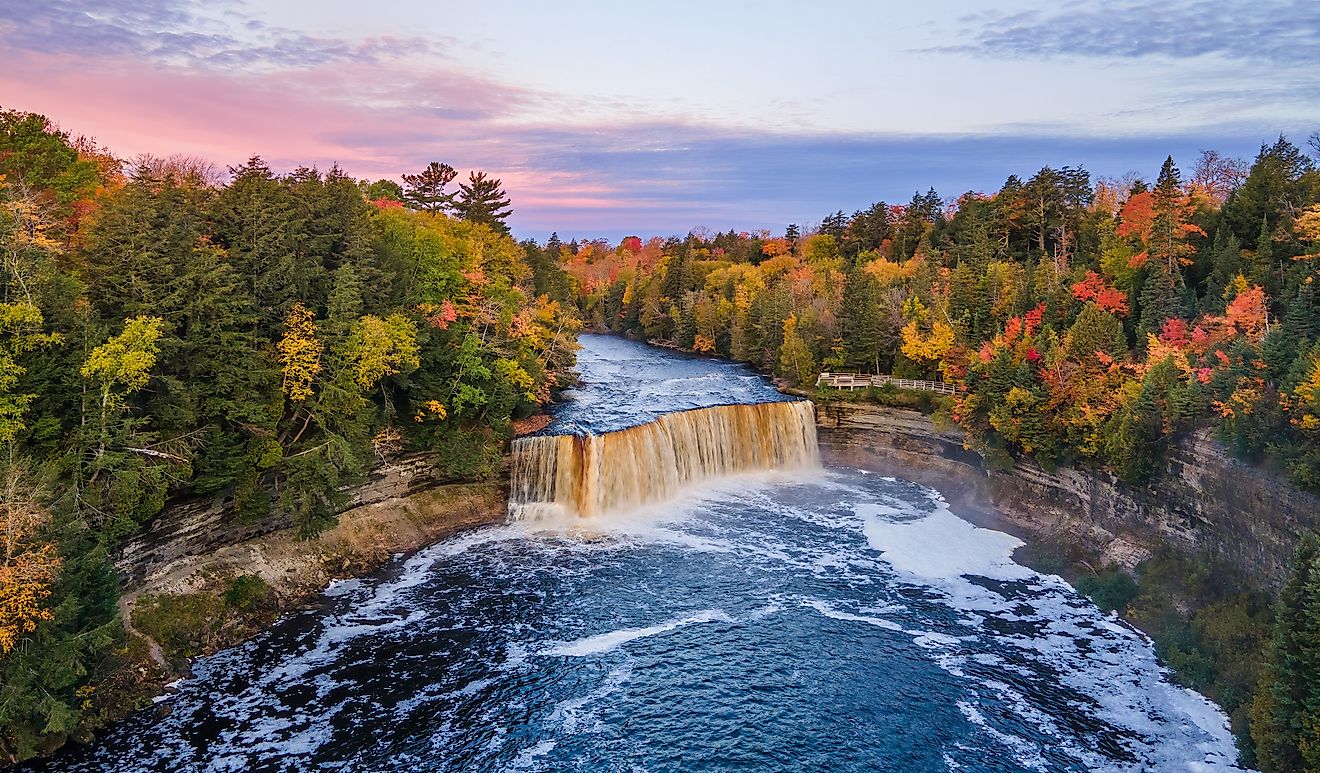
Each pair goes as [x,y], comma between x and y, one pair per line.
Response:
[185,531]
[1204,503]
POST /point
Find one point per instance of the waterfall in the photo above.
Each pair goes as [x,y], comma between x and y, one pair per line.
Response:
[587,475]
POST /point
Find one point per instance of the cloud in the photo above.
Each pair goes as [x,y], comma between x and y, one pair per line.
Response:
[594,179]
[748,182]
[297,99]
[219,36]
[1275,31]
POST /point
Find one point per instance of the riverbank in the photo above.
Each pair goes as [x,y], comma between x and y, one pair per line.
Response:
[1192,559]
[198,603]
[1203,503]
[200,578]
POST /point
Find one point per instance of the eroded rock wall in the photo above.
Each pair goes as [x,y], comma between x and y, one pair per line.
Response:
[1205,503]
[188,529]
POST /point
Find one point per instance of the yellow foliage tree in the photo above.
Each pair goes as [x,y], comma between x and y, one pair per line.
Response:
[27,567]
[380,347]
[795,358]
[299,353]
[888,272]
[1307,400]
[1307,228]
[930,348]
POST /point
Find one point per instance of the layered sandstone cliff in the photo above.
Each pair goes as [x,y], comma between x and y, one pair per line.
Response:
[1204,502]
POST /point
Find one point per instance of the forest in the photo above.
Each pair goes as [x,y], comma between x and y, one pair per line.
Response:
[1085,321]
[170,331]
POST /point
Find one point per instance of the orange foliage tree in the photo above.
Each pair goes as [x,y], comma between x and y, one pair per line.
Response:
[28,565]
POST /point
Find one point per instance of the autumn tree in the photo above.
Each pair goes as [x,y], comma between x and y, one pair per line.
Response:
[795,359]
[29,563]
[1169,228]
[126,477]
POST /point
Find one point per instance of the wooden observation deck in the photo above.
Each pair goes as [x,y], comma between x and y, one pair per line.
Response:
[852,381]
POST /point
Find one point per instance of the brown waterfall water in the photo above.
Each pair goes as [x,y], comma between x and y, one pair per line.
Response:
[588,475]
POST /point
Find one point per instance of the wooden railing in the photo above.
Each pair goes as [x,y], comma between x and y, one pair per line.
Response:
[862,381]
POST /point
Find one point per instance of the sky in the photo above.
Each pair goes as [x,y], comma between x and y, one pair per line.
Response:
[604,119]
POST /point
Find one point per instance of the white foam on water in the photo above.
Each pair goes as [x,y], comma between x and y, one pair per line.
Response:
[830,612]
[527,758]
[578,714]
[1098,656]
[605,642]
[344,587]
[1024,752]
[939,546]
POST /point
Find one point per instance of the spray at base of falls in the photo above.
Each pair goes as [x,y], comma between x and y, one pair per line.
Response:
[588,475]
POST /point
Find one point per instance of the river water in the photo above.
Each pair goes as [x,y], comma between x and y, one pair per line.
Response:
[809,620]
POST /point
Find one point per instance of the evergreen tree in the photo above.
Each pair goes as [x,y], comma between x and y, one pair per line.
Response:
[1274,185]
[1158,299]
[867,325]
[426,189]
[834,225]
[1226,261]
[1135,437]
[1095,330]
[482,200]
[1265,267]
[1168,231]
[256,222]
[1285,716]
[387,190]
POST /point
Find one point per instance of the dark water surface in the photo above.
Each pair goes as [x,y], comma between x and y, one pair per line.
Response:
[827,620]
[626,383]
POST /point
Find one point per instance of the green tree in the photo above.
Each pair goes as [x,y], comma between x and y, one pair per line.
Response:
[1159,298]
[387,190]
[426,189]
[482,200]
[1095,330]
[258,224]
[1285,717]
[867,323]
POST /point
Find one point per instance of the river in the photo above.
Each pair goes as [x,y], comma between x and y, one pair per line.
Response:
[807,619]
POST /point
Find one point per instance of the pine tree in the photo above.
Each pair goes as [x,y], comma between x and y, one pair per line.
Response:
[482,200]
[1135,438]
[1285,716]
[426,190]
[1273,186]
[869,328]
[1264,270]
[256,221]
[1226,263]
[1095,330]
[1158,298]
[1168,231]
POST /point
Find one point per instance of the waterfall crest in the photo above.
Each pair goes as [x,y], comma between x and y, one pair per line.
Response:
[588,475]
